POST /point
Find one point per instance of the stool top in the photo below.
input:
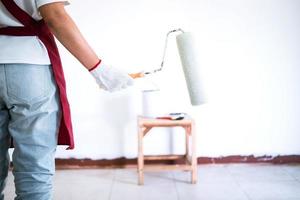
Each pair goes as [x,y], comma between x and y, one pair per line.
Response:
[152,121]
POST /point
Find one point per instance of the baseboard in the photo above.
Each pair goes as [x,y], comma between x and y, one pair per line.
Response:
[251,159]
[127,163]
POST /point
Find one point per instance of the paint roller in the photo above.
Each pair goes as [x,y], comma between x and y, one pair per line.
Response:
[190,65]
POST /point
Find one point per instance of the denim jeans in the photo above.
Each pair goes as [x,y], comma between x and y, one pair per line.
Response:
[30,115]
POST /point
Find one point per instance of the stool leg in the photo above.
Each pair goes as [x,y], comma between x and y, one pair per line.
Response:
[187,149]
[194,156]
[140,156]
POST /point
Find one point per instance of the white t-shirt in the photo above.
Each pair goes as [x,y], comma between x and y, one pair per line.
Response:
[19,49]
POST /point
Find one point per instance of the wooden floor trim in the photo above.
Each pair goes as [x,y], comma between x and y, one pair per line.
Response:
[125,162]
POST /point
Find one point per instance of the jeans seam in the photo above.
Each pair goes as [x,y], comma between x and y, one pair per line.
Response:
[5,79]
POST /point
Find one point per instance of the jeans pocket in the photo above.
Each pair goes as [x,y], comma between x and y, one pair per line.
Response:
[27,82]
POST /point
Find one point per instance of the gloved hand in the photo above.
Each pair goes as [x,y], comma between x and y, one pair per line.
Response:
[110,78]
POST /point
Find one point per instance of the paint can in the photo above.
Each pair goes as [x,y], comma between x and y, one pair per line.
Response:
[152,103]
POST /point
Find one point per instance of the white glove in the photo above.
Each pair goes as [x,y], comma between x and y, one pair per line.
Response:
[110,78]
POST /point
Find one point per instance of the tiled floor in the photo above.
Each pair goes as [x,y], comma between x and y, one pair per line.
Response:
[215,182]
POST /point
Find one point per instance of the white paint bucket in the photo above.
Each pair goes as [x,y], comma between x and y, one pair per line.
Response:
[153,103]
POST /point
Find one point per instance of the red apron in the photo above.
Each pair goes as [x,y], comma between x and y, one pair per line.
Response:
[40,29]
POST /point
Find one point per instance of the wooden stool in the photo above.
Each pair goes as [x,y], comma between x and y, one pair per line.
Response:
[145,125]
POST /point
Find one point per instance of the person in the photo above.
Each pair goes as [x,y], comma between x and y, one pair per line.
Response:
[35,115]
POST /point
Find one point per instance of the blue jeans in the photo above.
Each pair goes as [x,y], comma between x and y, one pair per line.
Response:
[30,115]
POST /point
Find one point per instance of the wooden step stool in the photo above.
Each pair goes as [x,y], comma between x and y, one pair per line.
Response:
[145,124]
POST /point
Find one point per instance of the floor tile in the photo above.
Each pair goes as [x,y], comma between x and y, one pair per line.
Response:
[130,176]
[157,185]
[121,191]
[206,174]
[279,190]
[210,191]
[258,172]
[293,170]
[9,191]
[83,184]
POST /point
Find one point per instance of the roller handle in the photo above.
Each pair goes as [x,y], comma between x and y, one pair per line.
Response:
[137,75]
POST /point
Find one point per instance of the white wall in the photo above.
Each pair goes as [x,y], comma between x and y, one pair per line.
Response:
[249,52]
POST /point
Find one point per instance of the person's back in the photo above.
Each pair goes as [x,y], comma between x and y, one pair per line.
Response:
[23,49]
